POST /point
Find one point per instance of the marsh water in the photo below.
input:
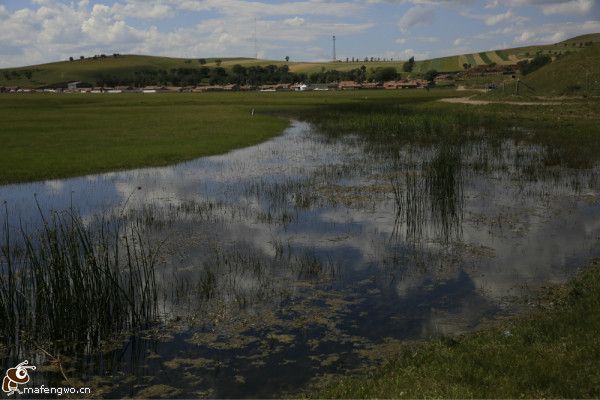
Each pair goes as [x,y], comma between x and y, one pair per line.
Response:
[309,255]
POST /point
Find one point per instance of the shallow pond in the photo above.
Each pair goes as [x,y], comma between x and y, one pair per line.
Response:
[306,255]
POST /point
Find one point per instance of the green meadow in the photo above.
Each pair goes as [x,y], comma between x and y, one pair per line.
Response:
[55,136]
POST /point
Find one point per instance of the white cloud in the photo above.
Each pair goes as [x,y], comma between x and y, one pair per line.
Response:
[495,19]
[569,7]
[296,21]
[52,29]
[257,8]
[142,9]
[418,15]
[548,7]
[406,54]
[552,33]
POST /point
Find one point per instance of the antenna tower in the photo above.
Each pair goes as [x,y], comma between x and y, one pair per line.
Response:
[334,55]
[255,41]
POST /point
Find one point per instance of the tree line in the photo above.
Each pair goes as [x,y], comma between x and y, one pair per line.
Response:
[241,75]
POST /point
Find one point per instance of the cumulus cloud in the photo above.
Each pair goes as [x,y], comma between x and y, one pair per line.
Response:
[552,33]
[37,31]
[418,15]
[296,21]
[569,7]
[549,7]
[54,29]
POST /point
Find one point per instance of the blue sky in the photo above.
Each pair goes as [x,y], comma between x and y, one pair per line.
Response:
[35,31]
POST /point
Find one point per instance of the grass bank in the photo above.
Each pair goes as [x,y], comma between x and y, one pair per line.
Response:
[49,136]
[56,136]
[552,354]
[60,136]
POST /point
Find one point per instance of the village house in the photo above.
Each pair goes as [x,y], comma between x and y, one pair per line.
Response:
[322,86]
[349,85]
[274,88]
[412,84]
[73,85]
[299,87]
[372,85]
[231,87]
[154,89]
[392,85]
[211,88]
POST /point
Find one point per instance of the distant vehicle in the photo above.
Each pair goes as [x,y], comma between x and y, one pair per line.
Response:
[491,86]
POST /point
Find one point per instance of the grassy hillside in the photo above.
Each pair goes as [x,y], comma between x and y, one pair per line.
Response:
[578,73]
[507,56]
[88,70]
[575,74]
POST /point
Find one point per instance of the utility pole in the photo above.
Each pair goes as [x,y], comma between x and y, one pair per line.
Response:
[255,41]
[334,55]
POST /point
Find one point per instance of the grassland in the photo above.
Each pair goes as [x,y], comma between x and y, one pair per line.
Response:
[55,136]
[88,70]
[551,354]
[573,75]
[52,136]
[58,136]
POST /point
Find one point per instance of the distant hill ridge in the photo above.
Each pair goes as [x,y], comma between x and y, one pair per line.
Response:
[89,69]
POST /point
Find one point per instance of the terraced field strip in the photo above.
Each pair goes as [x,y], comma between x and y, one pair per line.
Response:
[451,64]
[471,59]
[478,60]
[513,58]
[502,54]
[485,58]
[463,60]
[495,57]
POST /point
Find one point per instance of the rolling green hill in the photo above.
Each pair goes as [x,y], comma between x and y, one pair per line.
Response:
[89,69]
[575,74]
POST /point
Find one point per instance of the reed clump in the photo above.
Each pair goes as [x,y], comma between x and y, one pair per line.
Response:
[75,284]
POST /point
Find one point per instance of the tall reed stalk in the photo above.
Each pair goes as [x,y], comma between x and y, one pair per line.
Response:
[71,284]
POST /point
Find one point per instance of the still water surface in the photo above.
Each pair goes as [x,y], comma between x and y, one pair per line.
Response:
[305,255]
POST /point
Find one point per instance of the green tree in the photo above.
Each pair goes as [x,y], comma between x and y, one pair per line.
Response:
[287,58]
[409,65]
[385,74]
[536,63]
[430,75]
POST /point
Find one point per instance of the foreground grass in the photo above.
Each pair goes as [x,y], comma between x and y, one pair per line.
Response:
[552,354]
